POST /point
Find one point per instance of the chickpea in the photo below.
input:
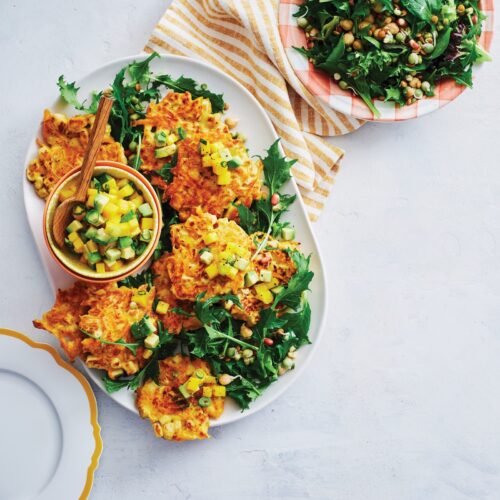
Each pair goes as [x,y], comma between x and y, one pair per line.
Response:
[388,20]
[363,24]
[393,28]
[348,38]
[357,45]
[381,34]
[346,24]
[415,83]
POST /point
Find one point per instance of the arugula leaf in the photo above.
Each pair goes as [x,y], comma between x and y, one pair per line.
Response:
[183,84]
[69,93]
[209,312]
[330,65]
[143,278]
[139,71]
[130,346]
[276,168]
[441,44]
[291,295]
[165,172]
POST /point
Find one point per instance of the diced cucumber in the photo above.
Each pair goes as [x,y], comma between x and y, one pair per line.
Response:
[207,257]
[165,151]
[234,162]
[104,178]
[161,138]
[145,210]
[125,242]
[140,247]
[101,237]
[100,201]
[93,258]
[127,253]
[68,243]
[92,217]
[241,263]
[146,235]
[90,233]
[76,225]
[113,253]
[151,341]
[149,325]
[277,289]
[288,233]
[251,278]
[266,276]
[109,263]
[128,216]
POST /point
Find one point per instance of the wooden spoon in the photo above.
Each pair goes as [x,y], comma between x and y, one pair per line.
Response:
[64,210]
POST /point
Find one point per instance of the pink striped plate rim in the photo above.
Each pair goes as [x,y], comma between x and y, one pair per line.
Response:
[323,86]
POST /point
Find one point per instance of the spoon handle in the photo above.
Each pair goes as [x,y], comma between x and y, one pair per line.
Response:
[94,144]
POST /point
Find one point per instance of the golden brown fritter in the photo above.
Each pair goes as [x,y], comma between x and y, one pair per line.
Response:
[187,272]
[62,148]
[172,416]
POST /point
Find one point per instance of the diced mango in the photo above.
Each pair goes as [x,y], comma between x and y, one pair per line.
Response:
[122,182]
[109,210]
[219,169]
[133,223]
[73,236]
[115,219]
[90,246]
[78,245]
[91,192]
[147,223]
[226,269]
[113,229]
[233,248]
[126,191]
[212,270]
[117,265]
[204,149]
[219,391]
[206,161]
[209,379]
[123,206]
[224,178]
[140,299]
[193,384]
[67,192]
[162,307]
[137,200]
[263,293]
[207,392]
[90,200]
[100,267]
[211,237]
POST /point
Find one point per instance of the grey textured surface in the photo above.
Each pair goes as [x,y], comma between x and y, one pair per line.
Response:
[401,400]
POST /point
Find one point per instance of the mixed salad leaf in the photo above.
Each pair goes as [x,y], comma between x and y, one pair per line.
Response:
[393,50]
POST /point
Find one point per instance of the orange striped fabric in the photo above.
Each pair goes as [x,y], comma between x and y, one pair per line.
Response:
[241,37]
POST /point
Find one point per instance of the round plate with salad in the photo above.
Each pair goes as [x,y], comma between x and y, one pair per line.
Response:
[233,302]
[386,60]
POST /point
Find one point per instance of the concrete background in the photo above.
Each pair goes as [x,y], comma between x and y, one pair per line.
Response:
[402,399]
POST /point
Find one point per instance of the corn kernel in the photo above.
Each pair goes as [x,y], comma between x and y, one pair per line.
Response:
[211,237]
[100,267]
[147,223]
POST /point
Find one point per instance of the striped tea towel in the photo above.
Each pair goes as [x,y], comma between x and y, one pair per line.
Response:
[241,37]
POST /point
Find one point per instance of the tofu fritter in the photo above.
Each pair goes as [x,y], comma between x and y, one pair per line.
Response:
[187,272]
[172,416]
[62,148]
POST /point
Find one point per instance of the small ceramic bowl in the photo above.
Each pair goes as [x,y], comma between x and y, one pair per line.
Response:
[70,262]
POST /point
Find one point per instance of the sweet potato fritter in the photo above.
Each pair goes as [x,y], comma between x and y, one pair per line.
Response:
[194,185]
[172,416]
[62,320]
[187,272]
[62,148]
[172,321]
[104,311]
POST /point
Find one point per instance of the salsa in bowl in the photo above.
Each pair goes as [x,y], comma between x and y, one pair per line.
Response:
[114,233]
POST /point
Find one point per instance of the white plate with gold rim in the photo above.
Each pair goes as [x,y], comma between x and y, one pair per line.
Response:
[50,440]
[256,125]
